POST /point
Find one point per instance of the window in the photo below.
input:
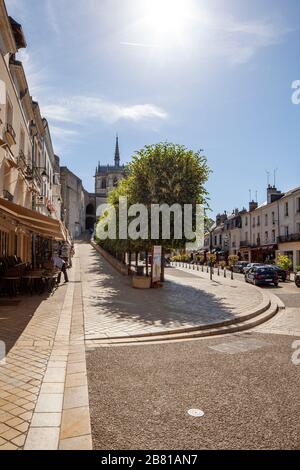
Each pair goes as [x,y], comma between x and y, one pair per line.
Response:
[286,230]
[246,221]
[266,237]
[220,239]
[266,219]
[298,227]
[254,238]
[273,218]
[246,236]
[216,240]
[286,209]
[258,220]
[22,141]
[273,236]
[103,183]
[298,204]
[9,113]
[253,222]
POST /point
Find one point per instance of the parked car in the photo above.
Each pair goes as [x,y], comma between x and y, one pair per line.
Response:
[297,279]
[282,274]
[251,265]
[239,266]
[259,275]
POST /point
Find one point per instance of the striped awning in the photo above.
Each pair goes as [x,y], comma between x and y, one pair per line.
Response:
[37,223]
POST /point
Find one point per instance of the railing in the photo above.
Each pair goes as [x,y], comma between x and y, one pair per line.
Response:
[293,237]
[7,195]
[11,132]
[22,161]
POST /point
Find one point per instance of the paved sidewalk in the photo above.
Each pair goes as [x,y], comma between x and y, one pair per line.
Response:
[43,385]
[112,308]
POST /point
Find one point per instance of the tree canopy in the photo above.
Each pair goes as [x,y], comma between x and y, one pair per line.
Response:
[164,173]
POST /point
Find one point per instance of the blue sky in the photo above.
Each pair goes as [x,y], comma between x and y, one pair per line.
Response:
[209,74]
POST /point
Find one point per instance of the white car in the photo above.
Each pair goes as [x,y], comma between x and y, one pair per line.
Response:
[251,265]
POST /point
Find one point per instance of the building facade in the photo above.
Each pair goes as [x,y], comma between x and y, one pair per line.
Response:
[262,232]
[73,202]
[26,156]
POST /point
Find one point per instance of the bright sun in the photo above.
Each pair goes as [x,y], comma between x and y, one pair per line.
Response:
[166,20]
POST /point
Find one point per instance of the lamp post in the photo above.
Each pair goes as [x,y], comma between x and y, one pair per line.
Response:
[210,249]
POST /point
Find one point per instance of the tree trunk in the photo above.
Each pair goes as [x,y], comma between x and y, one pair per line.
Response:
[147,259]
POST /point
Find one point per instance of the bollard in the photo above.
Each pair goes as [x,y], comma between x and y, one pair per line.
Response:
[193,267]
[197,267]
[224,272]
[207,269]
[232,275]
[218,271]
[202,267]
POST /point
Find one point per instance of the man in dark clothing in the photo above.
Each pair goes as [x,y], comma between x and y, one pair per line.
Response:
[61,265]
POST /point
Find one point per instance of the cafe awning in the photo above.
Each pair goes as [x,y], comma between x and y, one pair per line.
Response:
[34,221]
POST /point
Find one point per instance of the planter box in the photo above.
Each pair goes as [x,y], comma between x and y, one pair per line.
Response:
[141,282]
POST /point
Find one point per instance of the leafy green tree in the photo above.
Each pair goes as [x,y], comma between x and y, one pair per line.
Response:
[284,262]
[164,173]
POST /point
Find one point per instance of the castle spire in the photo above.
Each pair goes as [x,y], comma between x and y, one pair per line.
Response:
[117,152]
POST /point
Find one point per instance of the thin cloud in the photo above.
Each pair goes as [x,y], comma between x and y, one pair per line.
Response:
[80,109]
[138,44]
[236,40]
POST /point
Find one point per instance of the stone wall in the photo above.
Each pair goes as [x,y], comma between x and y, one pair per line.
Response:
[120,267]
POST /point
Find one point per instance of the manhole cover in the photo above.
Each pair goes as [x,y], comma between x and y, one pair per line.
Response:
[196,413]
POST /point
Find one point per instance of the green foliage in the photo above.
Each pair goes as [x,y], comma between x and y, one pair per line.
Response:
[164,173]
[232,260]
[212,257]
[284,262]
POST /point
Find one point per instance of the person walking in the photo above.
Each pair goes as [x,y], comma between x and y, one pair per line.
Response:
[61,265]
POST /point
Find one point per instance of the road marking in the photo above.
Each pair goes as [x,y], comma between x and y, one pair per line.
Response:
[239,346]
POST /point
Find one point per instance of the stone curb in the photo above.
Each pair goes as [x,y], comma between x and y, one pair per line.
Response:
[160,339]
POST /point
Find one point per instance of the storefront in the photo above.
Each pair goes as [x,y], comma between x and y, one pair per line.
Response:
[26,234]
[264,254]
[292,250]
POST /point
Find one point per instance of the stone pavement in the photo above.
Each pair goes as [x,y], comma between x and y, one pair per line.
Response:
[43,385]
[44,402]
[286,322]
[112,308]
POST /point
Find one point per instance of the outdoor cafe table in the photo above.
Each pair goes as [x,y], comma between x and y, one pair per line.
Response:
[34,281]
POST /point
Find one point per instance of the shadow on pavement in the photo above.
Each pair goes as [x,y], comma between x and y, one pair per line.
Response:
[112,294]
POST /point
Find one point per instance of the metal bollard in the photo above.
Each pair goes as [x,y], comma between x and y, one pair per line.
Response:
[218,271]
[193,267]
[224,272]
[207,269]
[232,275]
[197,267]
[202,267]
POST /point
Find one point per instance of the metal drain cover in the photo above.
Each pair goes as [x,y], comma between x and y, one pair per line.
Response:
[196,413]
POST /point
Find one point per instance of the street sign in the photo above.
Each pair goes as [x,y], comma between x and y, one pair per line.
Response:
[156,263]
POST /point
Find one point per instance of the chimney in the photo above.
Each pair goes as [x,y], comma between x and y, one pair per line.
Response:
[252,205]
[273,194]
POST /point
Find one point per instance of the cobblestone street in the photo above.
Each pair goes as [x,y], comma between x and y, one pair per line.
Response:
[45,397]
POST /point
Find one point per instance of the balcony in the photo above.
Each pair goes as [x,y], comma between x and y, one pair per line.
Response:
[7,195]
[247,244]
[10,135]
[21,160]
[293,237]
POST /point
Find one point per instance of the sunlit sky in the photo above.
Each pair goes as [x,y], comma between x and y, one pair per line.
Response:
[209,74]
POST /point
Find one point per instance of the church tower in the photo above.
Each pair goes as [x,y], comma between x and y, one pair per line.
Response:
[108,176]
[117,153]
